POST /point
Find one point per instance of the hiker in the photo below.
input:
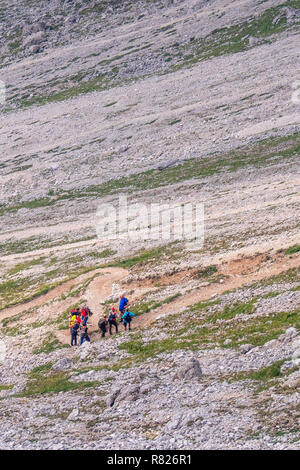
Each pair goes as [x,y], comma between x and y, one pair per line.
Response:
[84,335]
[75,333]
[112,320]
[90,313]
[73,318]
[127,317]
[123,303]
[85,315]
[102,324]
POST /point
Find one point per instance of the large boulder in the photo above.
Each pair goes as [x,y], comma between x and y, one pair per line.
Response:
[35,39]
[128,393]
[291,332]
[189,370]
[296,357]
[253,41]
[244,348]
[73,415]
[63,364]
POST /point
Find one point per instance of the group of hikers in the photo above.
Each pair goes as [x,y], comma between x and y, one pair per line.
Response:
[79,317]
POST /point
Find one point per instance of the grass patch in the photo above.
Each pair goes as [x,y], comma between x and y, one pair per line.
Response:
[233,39]
[40,384]
[256,331]
[290,276]
[144,256]
[238,308]
[143,352]
[271,295]
[5,387]
[26,265]
[175,121]
[257,155]
[49,345]
[263,375]
[207,271]
[292,249]
[145,307]
[40,369]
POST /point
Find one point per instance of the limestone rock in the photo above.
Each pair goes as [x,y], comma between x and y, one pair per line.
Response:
[63,364]
[189,370]
[244,348]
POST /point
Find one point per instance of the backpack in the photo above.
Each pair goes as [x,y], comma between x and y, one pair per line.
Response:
[87,311]
[102,323]
[127,317]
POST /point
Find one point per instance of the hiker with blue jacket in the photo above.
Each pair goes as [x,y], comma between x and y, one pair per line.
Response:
[124,303]
[127,317]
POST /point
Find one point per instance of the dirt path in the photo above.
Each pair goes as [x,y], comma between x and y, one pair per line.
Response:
[97,291]
[237,272]
[106,275]
[235,279]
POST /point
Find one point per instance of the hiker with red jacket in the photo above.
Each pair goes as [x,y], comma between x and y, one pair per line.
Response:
[112,320]
[84,315]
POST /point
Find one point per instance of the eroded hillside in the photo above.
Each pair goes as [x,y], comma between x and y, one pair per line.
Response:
[166,102]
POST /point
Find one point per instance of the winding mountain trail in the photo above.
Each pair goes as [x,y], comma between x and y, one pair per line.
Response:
[235,279]
[97,291]
[112,274]
[105,282]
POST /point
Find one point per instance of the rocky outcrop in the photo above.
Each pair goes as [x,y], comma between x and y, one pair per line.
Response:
[189,370]
[63,364]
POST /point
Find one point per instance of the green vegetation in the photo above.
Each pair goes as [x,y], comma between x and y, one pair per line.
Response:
[15,330]
[34,243]
[233,39]
[40,384]
[293,249]
[26,265]
[144,351]
[5,387]
[221,41]
[144,307]
[96,84]
[270,295]
[204,304]
[291,275]
[175,121]
[40,369]
[49,345]
[264,374]
[110,104]
[13,292]
[207,271]
[238,308]
[194,332]
[144,256]
[258,154]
